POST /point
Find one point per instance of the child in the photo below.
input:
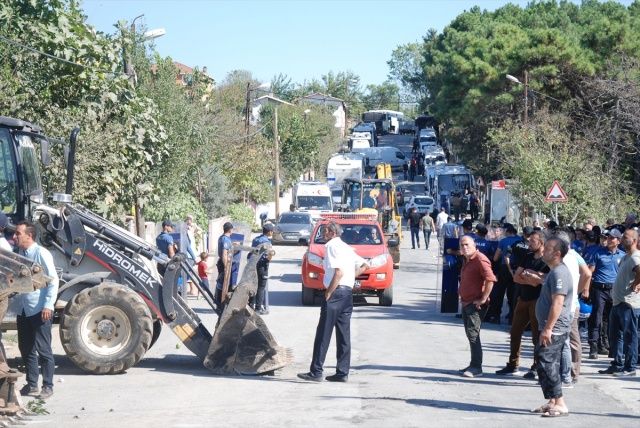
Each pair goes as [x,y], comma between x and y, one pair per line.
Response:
[203,271]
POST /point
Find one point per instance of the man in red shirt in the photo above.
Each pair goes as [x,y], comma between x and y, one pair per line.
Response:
[476,282]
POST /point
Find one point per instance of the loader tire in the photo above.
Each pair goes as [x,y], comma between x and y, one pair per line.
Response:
[106,329]
[157,329]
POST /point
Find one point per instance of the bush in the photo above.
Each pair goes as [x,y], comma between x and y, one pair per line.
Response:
[242,213]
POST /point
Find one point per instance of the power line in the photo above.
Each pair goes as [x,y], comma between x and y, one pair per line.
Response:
[56,58]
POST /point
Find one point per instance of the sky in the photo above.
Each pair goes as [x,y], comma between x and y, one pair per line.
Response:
[303,39]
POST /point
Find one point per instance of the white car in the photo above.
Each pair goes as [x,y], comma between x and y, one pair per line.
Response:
[423,203]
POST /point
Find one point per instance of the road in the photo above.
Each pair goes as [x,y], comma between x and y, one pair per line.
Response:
[404,364]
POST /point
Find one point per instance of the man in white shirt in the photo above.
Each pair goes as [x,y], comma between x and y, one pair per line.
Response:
[341,267]
[4,222]
[441,219]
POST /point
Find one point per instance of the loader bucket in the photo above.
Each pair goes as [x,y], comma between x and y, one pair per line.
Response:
[242,343]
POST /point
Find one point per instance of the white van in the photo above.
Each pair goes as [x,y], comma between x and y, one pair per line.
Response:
[375,155]
[360,143]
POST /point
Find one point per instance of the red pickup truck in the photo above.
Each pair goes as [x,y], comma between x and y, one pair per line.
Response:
[362,232]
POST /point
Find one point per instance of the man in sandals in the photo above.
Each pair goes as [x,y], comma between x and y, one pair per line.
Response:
[553,312]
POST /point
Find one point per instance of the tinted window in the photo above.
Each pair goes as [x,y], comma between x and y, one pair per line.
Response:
[400,155]
[423,201]
[294,219]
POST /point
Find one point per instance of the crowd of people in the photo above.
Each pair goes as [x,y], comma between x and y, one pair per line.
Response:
[552,277]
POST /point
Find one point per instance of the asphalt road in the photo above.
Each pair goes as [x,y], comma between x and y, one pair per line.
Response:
[404,372]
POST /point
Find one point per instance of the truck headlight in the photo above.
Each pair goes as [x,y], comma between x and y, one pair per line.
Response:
[314,259]
[381,276]
[305,232]
[378,261]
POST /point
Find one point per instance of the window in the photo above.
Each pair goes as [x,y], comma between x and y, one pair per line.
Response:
[8,178]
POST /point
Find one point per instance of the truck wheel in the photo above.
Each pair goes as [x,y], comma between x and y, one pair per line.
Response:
[386,296]
[106,329]
[308,296]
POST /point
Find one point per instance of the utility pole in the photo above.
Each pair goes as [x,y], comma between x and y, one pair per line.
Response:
[246,113]
[526,97]
[276,139]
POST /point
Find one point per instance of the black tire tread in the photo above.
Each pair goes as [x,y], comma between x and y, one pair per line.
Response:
[72,316]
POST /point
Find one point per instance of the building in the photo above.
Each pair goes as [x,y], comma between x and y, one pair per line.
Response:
[256,106]
[339,108]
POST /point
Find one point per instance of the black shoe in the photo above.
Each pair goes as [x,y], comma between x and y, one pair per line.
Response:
[47,392]
[31,391]
[602,350]
[413,248]
[508,370]
[531,374]
[310,377]
[609,370]
[593,351]
[262,311]
[337,378]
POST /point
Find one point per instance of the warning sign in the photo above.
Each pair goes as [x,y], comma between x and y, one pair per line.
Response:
[556,193]
[499,184]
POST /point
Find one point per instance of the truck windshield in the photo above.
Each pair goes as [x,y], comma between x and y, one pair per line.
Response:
[374,195]
[314,202]
[8,177]
[454,182]
[354,234]
[29,161]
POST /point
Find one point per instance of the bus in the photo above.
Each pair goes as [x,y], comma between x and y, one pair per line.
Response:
[387,121]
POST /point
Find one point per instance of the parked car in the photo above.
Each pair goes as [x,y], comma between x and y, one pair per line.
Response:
[291,226]
[363,233]
[423,203]
[406,189]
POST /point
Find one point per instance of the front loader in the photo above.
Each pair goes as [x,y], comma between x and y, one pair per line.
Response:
[112,303]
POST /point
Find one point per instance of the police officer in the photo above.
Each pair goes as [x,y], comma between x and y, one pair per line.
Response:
[225,256]
[603,262]
[262,268]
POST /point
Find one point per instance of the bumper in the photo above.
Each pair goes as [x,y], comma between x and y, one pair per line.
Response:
[371,280]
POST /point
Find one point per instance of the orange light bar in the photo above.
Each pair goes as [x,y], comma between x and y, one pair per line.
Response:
[350,216]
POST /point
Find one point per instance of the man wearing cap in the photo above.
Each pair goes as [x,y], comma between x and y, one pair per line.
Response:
[225,255]
[262,267]
[4,222]
[604,263]
[166,244]
[485,246]
[504,257]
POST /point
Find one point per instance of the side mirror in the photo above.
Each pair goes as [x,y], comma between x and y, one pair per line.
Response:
[304,242]
[393,242]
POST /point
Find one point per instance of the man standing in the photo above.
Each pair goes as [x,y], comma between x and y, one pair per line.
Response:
[476,282]
[341,267]
[441,219]
[504,258]
[262,268]
[528,277]
[165,243]
[623,326]
[414,227]
[225,258]
[553,312]
[603,262]
[35,315]
[426,225]
[4,222]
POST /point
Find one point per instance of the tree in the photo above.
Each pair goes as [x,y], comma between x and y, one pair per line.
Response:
[385,96]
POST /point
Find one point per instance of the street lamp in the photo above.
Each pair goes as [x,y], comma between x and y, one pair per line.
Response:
[526,92]
[148,35]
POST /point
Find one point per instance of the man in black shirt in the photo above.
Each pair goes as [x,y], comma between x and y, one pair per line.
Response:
[414,226]
[528,277]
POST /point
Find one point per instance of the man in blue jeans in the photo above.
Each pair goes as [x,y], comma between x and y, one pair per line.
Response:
[35,314]
[414,226]
[623,323]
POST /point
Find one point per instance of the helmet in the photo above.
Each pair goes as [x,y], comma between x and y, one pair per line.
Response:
[585,308]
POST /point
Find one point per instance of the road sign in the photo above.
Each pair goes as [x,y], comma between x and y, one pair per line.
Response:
[556,193]
[499,184]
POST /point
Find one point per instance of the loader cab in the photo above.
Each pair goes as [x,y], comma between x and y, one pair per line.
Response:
[20,184]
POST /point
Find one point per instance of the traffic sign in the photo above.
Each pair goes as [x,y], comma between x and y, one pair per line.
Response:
[556,193]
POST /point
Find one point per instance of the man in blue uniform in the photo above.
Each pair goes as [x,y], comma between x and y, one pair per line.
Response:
[262,267]
[504,257]
[225,256]
[166,244]
[603,262]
